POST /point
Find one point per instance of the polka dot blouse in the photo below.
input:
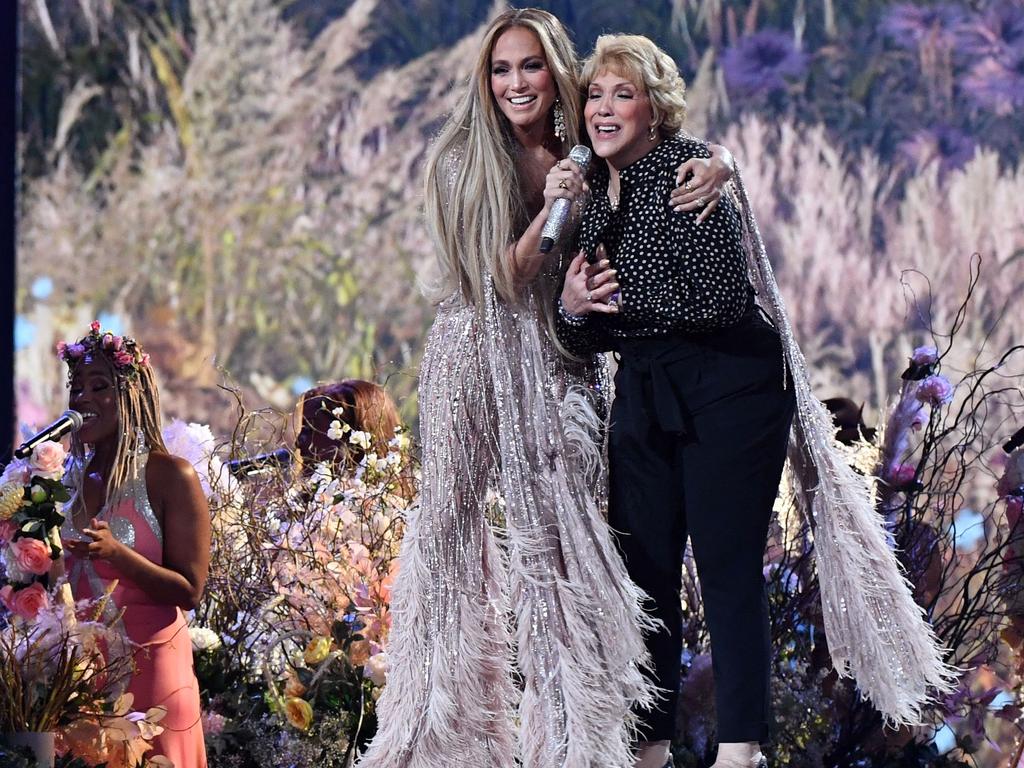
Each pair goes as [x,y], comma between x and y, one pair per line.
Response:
[676,276]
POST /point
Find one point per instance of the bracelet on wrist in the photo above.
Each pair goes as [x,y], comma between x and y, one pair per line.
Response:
[576,321]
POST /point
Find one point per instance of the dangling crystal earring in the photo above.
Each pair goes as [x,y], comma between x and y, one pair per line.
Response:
[559,120]
[139,444]
[652,133]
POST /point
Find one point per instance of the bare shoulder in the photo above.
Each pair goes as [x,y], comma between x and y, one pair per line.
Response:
[166,470]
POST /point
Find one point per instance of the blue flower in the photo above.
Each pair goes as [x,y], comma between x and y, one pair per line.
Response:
[996,32]
[907,25]
[996,83]
[762,63]
[950,147]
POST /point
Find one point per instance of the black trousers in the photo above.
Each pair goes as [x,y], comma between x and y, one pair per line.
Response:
[700,425]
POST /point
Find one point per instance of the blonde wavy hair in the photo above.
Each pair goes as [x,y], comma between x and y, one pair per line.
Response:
[474,202]
[644,64]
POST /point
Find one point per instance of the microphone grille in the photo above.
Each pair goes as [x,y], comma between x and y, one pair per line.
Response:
[75,418]
[581,156]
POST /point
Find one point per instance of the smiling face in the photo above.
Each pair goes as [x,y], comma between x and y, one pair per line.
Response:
[93,394]
[521,82]
[619,119]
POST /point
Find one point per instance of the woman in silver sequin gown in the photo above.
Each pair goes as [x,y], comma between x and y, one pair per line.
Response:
[517,634]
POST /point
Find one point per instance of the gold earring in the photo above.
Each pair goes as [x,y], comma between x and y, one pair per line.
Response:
[652,133]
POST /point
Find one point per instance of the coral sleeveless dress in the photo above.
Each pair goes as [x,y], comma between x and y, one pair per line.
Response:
[164,674]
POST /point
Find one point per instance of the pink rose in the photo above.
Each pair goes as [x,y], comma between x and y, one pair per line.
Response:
[47,460]
[7,531]
[95,325]
[76,350]
[31,555]
[123,358]
[61,348]
[935,390]
[25,602]
[924,356]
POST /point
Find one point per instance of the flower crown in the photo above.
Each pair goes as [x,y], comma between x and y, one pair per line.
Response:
[124,352]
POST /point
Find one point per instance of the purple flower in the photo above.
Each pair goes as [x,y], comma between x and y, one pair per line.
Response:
[924,356]
[909,25]
[899,475]
[762,63]
[935,390]
[950,147]
[996,83]
[997,32]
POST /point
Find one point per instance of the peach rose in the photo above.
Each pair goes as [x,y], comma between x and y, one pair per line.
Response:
[47,460]
[31,555]
[26,602]
[359,652]
[293,687]
[299,713]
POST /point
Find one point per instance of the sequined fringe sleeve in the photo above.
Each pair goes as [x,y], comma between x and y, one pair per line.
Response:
[876,633]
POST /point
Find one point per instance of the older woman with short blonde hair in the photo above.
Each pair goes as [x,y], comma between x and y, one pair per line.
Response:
[706,390]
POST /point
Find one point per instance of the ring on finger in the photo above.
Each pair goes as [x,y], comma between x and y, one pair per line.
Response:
[701,200]
[687,185]
[590,297]
[562,184]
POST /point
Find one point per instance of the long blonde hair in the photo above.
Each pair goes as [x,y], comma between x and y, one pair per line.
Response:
[474,198]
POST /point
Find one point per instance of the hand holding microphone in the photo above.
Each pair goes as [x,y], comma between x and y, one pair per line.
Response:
[565,184]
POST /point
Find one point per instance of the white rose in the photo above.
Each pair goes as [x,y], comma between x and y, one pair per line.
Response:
[204,639]
[360,438]
[376,669]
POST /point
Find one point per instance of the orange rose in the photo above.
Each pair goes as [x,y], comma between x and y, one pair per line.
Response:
[299,713]
[293,687]
[359,652]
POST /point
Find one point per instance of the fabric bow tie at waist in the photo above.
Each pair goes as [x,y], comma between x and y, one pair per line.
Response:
[650,363]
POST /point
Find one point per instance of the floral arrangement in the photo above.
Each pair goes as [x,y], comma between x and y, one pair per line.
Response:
[289,641]
[64,670]
[126,355]
[63,667]
[963,552]
[31,500]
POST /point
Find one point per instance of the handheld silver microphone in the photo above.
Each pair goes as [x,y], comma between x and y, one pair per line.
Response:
[560,209]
